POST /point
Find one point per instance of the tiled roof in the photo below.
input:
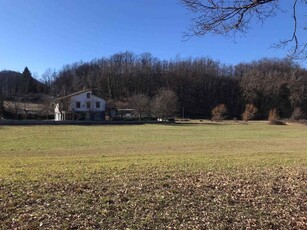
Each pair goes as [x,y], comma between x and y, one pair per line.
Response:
[74,94]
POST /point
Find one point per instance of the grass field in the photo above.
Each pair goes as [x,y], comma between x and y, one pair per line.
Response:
[183,176]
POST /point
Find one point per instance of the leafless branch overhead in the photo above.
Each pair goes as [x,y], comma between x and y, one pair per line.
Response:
[227,17]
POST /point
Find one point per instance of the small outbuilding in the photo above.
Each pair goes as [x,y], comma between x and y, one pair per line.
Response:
[82,105]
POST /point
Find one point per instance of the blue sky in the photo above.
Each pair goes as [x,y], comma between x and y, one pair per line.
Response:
[45,34]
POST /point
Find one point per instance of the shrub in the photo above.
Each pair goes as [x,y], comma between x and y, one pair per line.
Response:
[297,114]
[250,112]
[218,113]
[274,117]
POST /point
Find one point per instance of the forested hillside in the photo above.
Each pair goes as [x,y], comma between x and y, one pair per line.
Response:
[200,84]
[22,96]
[15,84]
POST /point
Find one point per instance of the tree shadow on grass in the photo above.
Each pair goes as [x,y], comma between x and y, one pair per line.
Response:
[194,124]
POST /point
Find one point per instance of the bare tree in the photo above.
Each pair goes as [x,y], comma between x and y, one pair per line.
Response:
[164,104]
[229,17]
[140,103]
[48,76]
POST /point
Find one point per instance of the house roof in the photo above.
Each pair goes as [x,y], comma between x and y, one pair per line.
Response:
[74,94]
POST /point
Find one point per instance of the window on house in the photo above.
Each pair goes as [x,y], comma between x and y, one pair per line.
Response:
[88,104]
[78,104]
[88,95]
[97,104]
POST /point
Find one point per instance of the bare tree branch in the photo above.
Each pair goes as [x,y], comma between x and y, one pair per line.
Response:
[296,49]
[222,17]
[226,18]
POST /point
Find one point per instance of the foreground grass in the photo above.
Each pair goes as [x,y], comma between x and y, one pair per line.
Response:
[153,177]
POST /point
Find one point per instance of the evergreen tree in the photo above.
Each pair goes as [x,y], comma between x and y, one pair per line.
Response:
[28,83]
[26,73]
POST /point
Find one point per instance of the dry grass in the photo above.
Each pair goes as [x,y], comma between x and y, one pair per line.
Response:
[153,177]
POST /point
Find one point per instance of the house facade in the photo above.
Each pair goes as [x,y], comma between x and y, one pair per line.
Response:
[83,105]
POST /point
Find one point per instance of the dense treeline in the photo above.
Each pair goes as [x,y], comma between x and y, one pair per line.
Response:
[14,84]
[273,84]
[200,84]
[25,96]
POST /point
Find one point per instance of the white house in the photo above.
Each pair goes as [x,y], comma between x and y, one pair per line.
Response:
[83,105]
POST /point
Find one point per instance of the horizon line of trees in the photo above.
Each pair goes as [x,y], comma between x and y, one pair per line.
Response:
[200,84]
